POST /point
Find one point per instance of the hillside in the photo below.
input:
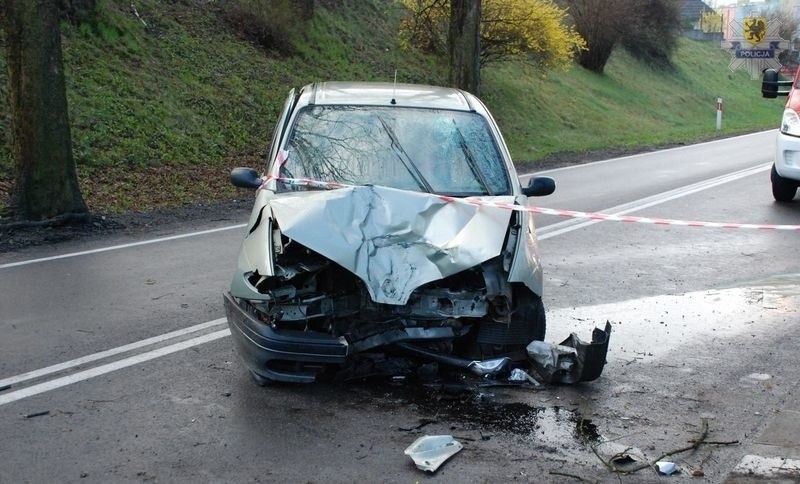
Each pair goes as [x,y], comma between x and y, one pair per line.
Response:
[629,107]
[160,113]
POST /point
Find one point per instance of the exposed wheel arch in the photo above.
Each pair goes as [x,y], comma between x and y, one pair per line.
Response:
[527,323]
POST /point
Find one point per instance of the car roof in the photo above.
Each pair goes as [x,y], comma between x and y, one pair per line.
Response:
[388,94]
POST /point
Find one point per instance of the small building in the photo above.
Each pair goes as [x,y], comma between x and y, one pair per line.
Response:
[700,21]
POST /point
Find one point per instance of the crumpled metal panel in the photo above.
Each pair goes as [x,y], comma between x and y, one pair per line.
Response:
[526,267]
[393,240]
[256,250]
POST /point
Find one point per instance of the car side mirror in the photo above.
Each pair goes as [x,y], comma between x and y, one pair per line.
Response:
[245,178]
[769,84]
[539,186]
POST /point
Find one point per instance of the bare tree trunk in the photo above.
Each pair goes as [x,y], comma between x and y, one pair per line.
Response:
[600,23]
[46,181]
[596,57]
[464,44]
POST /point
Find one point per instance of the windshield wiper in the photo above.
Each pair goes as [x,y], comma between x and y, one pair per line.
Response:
[473,165]
[405,159]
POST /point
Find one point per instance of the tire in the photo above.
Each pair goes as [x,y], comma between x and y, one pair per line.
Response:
[783,189]
[528,323]
[530,311]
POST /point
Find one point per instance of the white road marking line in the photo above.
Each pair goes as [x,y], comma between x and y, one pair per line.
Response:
[111,352]
[627,157]
[553,230]
[758,467]
[109,367]
[121,246]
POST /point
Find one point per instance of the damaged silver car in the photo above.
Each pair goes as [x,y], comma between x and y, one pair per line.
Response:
[385,224]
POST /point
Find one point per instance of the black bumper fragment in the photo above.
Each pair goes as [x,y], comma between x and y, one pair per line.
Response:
[573,360]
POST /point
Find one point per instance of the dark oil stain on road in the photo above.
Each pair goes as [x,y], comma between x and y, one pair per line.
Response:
[479,409]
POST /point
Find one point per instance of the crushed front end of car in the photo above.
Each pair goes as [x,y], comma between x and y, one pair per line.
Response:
[326,275]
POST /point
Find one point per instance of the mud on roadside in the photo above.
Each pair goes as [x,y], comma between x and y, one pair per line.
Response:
[235,211]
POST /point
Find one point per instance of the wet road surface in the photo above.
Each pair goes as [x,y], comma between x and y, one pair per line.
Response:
[703,319]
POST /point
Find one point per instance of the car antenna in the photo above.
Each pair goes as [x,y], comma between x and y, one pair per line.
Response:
[394,88]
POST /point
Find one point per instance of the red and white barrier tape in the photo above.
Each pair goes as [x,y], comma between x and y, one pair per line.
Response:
[559,212]
[657,221]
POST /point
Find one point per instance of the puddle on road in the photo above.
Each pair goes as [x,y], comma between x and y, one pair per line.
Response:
[485,412]
[553,425]
[655,326]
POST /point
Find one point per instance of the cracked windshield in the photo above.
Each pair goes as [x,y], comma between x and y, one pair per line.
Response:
[398,148]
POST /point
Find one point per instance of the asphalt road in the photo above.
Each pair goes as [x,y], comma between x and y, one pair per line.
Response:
[125,351]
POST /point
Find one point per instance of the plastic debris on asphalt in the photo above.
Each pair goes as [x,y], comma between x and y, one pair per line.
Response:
[666,468]
[520,375]
[431,451]
[489,367]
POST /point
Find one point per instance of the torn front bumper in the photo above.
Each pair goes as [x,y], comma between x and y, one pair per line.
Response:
[281,355]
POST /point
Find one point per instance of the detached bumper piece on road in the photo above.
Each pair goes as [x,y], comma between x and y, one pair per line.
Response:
[573,360]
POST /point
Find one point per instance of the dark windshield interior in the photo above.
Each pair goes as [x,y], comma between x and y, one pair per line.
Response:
[429,150]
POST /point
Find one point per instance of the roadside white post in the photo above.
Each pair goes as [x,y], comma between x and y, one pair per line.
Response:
[719,113]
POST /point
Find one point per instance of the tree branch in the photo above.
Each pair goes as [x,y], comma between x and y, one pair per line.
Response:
[695,443]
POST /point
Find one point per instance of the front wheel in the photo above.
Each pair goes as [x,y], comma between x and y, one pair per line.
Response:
[783,189]
[527,324]
[529,311]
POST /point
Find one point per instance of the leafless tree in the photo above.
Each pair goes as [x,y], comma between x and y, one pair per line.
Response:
[653,33]
[789,19]
[648,29]
[601,23]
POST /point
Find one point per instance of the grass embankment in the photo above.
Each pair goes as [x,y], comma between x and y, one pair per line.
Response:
[629,107]
[161,113]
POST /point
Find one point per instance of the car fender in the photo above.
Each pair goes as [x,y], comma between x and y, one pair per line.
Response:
[526,266]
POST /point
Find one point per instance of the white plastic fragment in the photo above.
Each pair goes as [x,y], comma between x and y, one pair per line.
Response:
[666,468]
[552,355]
[431,451]
[489,367]
[518,374]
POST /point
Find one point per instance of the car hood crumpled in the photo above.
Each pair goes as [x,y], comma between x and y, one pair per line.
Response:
[394,240]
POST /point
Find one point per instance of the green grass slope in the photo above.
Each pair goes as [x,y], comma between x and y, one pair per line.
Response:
[630,107]
[160,113]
